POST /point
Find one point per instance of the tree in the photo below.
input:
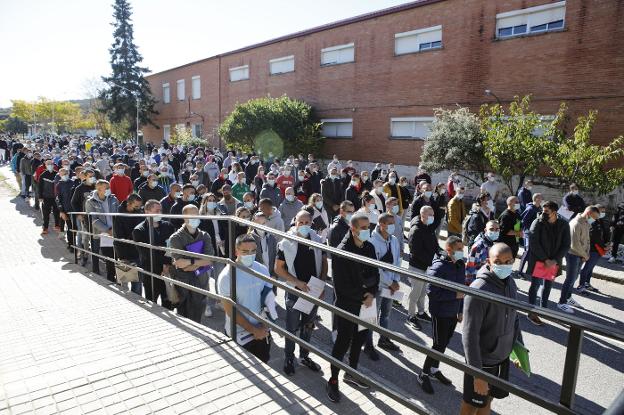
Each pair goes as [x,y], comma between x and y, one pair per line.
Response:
[574,160]
[50,116]
[513,143]
[456,143]
[13,125]
[273,125]
[183,135]
[126,82]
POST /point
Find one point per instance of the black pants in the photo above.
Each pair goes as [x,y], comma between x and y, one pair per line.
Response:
[259,348]
[49,205]
[107,252]
[535,284]
[617,237]
[159,290]
[348,339]
[443,329]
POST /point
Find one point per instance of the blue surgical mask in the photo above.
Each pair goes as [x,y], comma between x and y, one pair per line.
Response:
[395,209]
[364,235]
[458,255]
[429,220]
[248,260]
[517,206]
[428,193]
[107,192]
[304,230]
[157,218]
[212,205]
[492,235]
[319,205]
[191,198]
[178,195]
[194,223]
[249,205]
[591,220]
[391,229]
[348,217]
[502,271]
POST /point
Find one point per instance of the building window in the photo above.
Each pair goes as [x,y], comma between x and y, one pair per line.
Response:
[282,65]
[418,40]
[536,19]
[196,87]
[338,54]
[166,132]
[197,130]
[181,91]
[338,127]
[166,93]
[410,127]
[239,73]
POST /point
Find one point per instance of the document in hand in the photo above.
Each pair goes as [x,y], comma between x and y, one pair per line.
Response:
[197,247]
[316,286]
[542,271]
[520,354]
[105,241]
[368,314]
[398,295]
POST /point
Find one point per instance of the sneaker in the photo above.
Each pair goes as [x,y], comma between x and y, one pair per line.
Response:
[581,290]
[423,317]
[347,378]
[612,260]
[372,353]
[310,364]
[57,229]
[332,390]
[44,232]
[565,308]
[334,336]
[208,311]
[589,287]
[415,323]
[289,366]
[61,235]
[387,344]
[441,378]
[572,302]
[533,318]
[425,383]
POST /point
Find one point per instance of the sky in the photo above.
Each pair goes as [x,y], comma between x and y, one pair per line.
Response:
[59,48]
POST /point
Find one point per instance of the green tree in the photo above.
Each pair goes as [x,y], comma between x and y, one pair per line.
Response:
[127,80]
[456,143]
[13,125]
[183,135]
[512,142]
[273,125]
[49,115]
[574,160]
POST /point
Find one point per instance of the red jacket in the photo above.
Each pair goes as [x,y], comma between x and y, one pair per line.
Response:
[121,187]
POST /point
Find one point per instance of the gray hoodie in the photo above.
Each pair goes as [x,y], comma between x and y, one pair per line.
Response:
[289,210]
[490,330]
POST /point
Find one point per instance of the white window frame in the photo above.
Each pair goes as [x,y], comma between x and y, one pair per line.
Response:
[281,60]
[193,126]
[196,87]
[166,96]
[414,120]
[180,86]
[338,121]
[339,49]
[239,68]
[416,34]
[166,132]
[527,14]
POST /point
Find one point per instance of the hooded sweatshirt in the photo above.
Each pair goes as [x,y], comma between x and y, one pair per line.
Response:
[289,210]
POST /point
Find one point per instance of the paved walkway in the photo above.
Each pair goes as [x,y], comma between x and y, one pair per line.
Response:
[72,343]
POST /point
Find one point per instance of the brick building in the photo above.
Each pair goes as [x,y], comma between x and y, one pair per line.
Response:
[375,79]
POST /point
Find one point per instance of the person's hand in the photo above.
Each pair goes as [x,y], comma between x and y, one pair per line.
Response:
[79,217]
[368,300]
[110,232]
[460,317]
[517,364]
[190,268]
[459,296]
[481,387]
[394,287]
[182,263]
[260,332]
[64,216]
[302,286]
[550,262]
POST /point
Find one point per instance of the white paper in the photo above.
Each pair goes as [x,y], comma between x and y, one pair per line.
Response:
[316,286]
[105,241]
[398,295]
[368,314]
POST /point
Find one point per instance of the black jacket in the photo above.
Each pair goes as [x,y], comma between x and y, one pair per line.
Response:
[508,221]
[353,279]
[122,228]
[423,243]
[548,241]
[167,203]
[352,195]
[337,231]
[476,224]
[148,193]
[46,186]
[161,234]
[331,191]
[176,209]
[443,302]
[80,196]
[419,202]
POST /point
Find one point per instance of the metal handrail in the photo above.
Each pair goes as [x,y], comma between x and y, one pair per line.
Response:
[577,325]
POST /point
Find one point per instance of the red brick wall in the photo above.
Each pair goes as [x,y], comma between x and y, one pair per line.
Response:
[582,65]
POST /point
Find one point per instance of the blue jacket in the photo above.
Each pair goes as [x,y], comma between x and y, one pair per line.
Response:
[525,196]
[529,215]
[443,302]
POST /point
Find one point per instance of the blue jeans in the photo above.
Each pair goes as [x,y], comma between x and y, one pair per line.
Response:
[137,287]
[384,308]
[535,284]
[588,268]
[573,266]
[296,320]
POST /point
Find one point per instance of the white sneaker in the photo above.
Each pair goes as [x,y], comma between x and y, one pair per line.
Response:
[208,311]
[565,308]
[572,302]
[612,260]
[334,336]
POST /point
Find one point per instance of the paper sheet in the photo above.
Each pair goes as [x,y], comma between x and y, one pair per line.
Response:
[105,241]
[316,286]
[368,314]
[398,295]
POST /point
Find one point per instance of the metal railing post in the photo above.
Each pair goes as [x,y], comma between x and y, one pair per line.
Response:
[91,239]
[571,365]
[232,249]
[74,237]
[150,222]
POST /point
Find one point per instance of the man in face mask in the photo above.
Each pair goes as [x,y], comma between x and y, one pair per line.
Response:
[167,202]
[392,207]
[289,207]
[528,215]
[481,212]
[478,252]
[332,192]
[188,198]
[250,333]
[341,224]
[240,187]
[456,212]
[424,199]
[188,269]
[102,201]
[511,225]
[121,185]
[151,189]
[491,186]
[219,182]
[573,201]
[47,195]
[123,227]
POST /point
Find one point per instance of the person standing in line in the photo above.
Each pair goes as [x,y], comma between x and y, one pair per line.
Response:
[478,252]
[525,195]
[47,195]
[510,225]
[599,237]
[289,207]
[491,187]
[102,201]
[617,224]
[573,201]
[456,212]
[528,215]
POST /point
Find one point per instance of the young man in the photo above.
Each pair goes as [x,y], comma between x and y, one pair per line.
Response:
[445,307]
[528,215]
[510,225]
[356,284]
[102,201]
[478,253]
[121,185]
[490,331]
[123,227]
[250,334]
[456,212]
[483,213]
[599,237]
[297,264]
[46,190]
[289,207]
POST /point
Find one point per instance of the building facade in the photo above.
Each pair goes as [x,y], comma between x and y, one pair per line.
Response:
[375,80]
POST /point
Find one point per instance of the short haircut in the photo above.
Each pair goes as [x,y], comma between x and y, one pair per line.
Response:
[385,218]
[241,210]
[345,204]
[102,181]
[452,240]
[134,197]
[483,196]
[357,218]
[510,198]
[189,207]
[175,185]
[592,209]
[188,186]
[550,205]
[243,239]
[426,208]
[492,222]
[265,201]
[391,200]
[259,215]
[151,203]
[88,171]
[536,196]
[252,194]
[499,248]
[303,212]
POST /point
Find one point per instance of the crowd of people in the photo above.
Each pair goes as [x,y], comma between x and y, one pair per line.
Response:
[362,212]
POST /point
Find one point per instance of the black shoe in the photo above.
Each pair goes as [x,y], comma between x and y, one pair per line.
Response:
[425,383]
[423,317]
[347,378]
[311,364]
[372,353]
[387,344]
[289,366]
[414,321]
[442,379]
[332,390]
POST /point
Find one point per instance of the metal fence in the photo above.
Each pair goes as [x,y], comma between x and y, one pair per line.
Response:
[576,326]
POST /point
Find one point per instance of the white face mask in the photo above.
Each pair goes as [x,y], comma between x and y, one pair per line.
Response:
[395,209]
[517,206]
[460,196]
[194,223]
[248,260]
[391,229]
[490,205]
[290,198]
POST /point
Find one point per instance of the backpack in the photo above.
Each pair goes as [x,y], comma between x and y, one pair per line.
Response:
[465,237]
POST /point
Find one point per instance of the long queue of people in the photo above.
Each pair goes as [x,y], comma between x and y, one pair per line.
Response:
[362,212]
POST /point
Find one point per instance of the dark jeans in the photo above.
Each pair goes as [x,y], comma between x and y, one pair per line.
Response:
[525,255]
[49,205]
[192,304]
[107,252]
[573,266]
[298,321]
[259,348]
[617,237]
[588,268]
[159,290]
[443,329]
[348,339]
[535,284]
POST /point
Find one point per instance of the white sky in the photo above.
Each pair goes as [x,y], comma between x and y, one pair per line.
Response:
[52,48]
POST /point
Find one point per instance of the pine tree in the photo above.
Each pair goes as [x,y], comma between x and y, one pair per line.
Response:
[120,103]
